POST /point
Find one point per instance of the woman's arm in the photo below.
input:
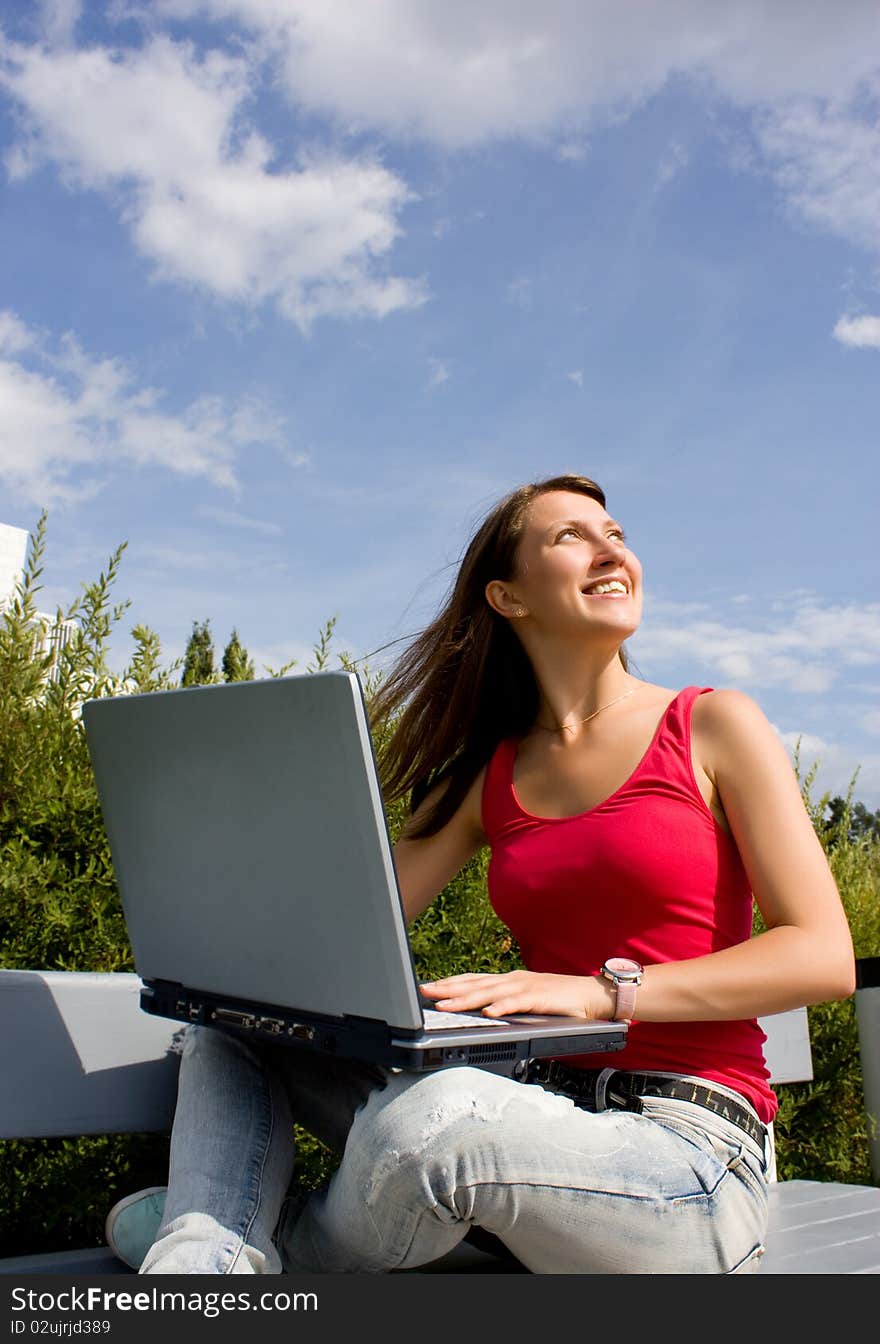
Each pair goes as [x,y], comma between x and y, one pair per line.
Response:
[806,954]
[424,867]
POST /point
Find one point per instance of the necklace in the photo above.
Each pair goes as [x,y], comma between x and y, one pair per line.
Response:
[560,728]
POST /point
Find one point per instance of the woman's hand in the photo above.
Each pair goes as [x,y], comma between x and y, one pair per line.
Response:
[588,997]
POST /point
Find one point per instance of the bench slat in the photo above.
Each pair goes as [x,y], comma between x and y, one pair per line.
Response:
[823,1227]
[82,1057]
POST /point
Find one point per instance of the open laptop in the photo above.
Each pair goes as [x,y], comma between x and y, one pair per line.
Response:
[255,868]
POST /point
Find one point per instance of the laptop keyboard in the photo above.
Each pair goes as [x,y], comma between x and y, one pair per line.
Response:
[434,1019]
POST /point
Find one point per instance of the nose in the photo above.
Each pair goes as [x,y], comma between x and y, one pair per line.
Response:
[611,552]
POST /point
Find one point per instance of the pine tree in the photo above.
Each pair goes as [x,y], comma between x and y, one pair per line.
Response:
[236,664]
[198,661]
[848,821]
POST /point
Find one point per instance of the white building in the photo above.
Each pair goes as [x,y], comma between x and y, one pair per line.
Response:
[13,552]
[51,634]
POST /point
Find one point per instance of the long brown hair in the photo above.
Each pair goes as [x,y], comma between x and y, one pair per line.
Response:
[465,683]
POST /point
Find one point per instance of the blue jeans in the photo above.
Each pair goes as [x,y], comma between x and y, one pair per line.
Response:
[674,1189]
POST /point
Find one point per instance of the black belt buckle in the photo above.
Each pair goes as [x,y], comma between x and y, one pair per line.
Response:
[532,1070]
[617,1094]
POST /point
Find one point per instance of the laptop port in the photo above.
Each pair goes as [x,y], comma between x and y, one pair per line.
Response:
[233,1017]
[272,1024]
[301,1032]
[194,1011]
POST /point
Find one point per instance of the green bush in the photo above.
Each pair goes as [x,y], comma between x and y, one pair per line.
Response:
[60,910]
[822,1127]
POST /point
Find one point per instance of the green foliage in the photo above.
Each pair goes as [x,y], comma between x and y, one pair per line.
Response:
[198,660]
[460,931]
[59,906]
[144,672]
[236,664]
[60,910]
[55,1193]
[58,902]
[822,1128]
[860,821]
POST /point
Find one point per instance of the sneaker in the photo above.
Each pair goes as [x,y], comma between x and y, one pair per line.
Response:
[131,1225]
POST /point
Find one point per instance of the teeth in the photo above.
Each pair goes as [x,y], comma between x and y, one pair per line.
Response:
[615,586]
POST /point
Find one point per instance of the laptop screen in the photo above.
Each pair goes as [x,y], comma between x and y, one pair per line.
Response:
[250,844]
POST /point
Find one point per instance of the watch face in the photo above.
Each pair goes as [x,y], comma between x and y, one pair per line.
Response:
[623,967]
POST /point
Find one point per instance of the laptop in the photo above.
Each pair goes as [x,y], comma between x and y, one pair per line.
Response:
[255,869]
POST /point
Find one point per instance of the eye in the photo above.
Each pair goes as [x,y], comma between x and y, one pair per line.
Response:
[573,531]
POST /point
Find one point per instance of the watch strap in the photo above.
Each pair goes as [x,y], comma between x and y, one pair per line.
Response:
[625,1007]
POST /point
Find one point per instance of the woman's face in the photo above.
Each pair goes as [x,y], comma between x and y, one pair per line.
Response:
[568,545]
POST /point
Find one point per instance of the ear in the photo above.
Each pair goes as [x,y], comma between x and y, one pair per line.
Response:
[502,600]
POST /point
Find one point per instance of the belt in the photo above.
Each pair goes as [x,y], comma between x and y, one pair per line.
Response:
[624,1091]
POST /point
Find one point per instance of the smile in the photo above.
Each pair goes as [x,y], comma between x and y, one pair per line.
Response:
[610,588]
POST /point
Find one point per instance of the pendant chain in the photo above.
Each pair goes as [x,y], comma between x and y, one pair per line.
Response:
[560,728]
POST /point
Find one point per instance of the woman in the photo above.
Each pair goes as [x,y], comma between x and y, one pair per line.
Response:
[630,827]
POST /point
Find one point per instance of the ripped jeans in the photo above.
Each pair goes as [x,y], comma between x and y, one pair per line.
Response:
[674,1189]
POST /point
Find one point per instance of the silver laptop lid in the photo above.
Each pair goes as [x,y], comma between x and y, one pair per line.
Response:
[250,844]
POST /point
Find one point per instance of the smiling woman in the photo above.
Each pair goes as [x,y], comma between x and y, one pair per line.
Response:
[468,679]
[631,828]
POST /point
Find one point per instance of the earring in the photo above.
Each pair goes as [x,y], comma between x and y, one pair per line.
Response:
[520,611]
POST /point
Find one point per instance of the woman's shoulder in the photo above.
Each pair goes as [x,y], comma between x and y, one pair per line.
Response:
[724,707]
[721,721]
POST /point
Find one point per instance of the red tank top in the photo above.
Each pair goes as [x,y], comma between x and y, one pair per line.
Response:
[648,874]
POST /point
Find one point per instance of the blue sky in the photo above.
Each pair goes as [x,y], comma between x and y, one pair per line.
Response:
[293,292]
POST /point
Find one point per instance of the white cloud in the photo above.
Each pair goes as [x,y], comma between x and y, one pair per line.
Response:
[826,159]
[167,131]
[439,372]
[14,335]
[858,331]
[807,745]
[572,151]
[59,19]
[460,75]
[69,419]
[230,518]
[673,162]
[806,653]
[164,131]
[576,377]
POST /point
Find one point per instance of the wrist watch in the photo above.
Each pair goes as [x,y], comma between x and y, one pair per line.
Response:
[625,975]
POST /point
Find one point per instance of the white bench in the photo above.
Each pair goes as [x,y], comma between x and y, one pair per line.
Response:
[80,1057]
